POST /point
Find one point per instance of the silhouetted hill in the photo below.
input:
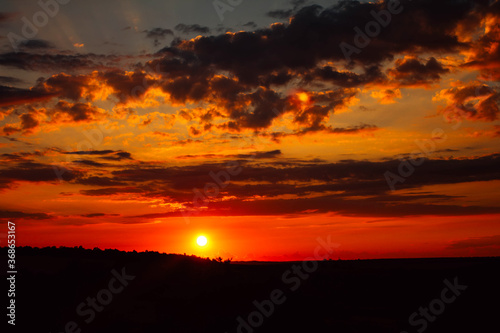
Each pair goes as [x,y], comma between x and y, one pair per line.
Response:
[154,292]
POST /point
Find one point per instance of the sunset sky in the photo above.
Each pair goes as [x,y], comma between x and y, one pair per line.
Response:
[262,125]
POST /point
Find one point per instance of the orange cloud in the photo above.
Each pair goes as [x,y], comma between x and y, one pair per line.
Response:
[473,101]
[387,96]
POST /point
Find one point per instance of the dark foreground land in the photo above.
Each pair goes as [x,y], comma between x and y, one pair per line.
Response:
[77,290]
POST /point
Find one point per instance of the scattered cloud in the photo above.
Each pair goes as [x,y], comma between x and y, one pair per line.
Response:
[414,72]
[192,28]
[16,215]
[473,101]
[476,242]
[158,34]
[36,44]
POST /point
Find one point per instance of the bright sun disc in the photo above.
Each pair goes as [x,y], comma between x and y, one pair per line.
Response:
[303,97]
[202,241]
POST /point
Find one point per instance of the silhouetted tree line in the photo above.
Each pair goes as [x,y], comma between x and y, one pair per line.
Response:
[80,251]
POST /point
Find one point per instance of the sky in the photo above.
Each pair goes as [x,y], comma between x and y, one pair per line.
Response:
[267,126]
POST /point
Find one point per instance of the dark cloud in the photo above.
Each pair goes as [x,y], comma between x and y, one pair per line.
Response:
[186,89]
[92,215]
[260,113]
[16,140]
[131,85]
[118,156]
[413,72]
[14,156]
[190,28]
[349,187]
[252,155]
[28,122]
[24,155]
[10,129]
[344,78]
[89,163]
[158,34]
[280,14]
[16,96]
[10,80]
[90,152]
[36,44]
[36,172]
[6,16]
[65,86]
[314,34]
[110,155]
[250,24]
[447,151]
[74,112]
[125,85]
[100,181]
[352,129]
[476,242]
[16,215]
[373,207]
[261,154]
[111,191]
[57,62]
[360,180]
[367,208]
[186,142]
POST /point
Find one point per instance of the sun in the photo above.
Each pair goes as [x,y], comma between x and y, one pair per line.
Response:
[202,241]
[303,97]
